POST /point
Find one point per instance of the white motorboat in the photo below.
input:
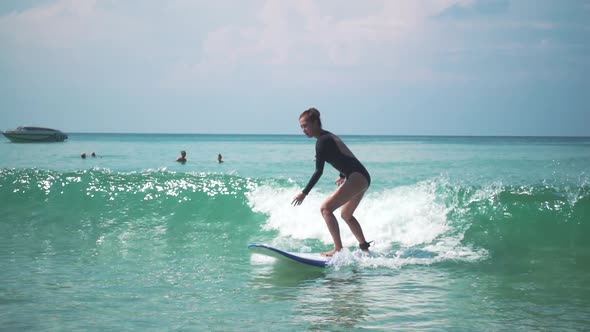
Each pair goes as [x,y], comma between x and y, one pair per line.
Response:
[34,134]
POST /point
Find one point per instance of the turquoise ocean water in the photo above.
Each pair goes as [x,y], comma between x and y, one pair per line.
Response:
[471,234]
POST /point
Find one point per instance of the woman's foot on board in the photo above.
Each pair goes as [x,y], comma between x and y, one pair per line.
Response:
[330,253]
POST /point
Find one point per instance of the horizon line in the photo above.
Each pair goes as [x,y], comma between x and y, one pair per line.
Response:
[366,135]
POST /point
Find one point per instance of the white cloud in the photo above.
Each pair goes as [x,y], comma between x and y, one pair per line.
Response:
[310,33]
[61,24]
[284,33]
[66,24]
[193,41]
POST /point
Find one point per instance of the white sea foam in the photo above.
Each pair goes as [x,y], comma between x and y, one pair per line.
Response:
[408,224]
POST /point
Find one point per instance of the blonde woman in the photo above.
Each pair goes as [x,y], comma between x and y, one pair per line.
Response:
[352,184]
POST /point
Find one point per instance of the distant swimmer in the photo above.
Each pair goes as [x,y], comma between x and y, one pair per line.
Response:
[352,184]
[182,158]
[219,158]
[93,154]
[83,155]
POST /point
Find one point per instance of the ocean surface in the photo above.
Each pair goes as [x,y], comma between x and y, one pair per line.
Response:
[471,234]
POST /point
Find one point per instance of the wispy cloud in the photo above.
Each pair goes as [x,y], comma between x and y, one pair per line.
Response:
[65,24]
[309,33]
[283,33]
[284,40]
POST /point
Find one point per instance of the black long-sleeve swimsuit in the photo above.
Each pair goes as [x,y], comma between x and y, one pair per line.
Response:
[330,148]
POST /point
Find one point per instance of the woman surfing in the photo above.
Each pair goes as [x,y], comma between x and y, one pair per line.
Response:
[352,184]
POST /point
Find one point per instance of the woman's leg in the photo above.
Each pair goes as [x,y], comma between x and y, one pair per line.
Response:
[350,192]
[347,215]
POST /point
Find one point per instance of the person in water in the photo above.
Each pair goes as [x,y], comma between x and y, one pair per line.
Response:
[352,184]
[182,158]
[219,158]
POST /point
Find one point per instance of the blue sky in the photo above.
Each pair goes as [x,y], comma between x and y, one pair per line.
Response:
[415,67]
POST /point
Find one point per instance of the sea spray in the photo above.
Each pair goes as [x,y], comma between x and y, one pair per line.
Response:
[436,219]
[408,217]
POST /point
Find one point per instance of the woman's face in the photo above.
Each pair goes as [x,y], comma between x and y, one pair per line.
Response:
[310,128]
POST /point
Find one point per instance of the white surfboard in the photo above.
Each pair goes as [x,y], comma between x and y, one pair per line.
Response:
[303,258]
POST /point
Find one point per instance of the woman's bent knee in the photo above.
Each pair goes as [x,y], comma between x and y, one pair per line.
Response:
[324,210]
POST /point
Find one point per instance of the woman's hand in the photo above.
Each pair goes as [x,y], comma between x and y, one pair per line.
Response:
[339,181]
[298,199]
